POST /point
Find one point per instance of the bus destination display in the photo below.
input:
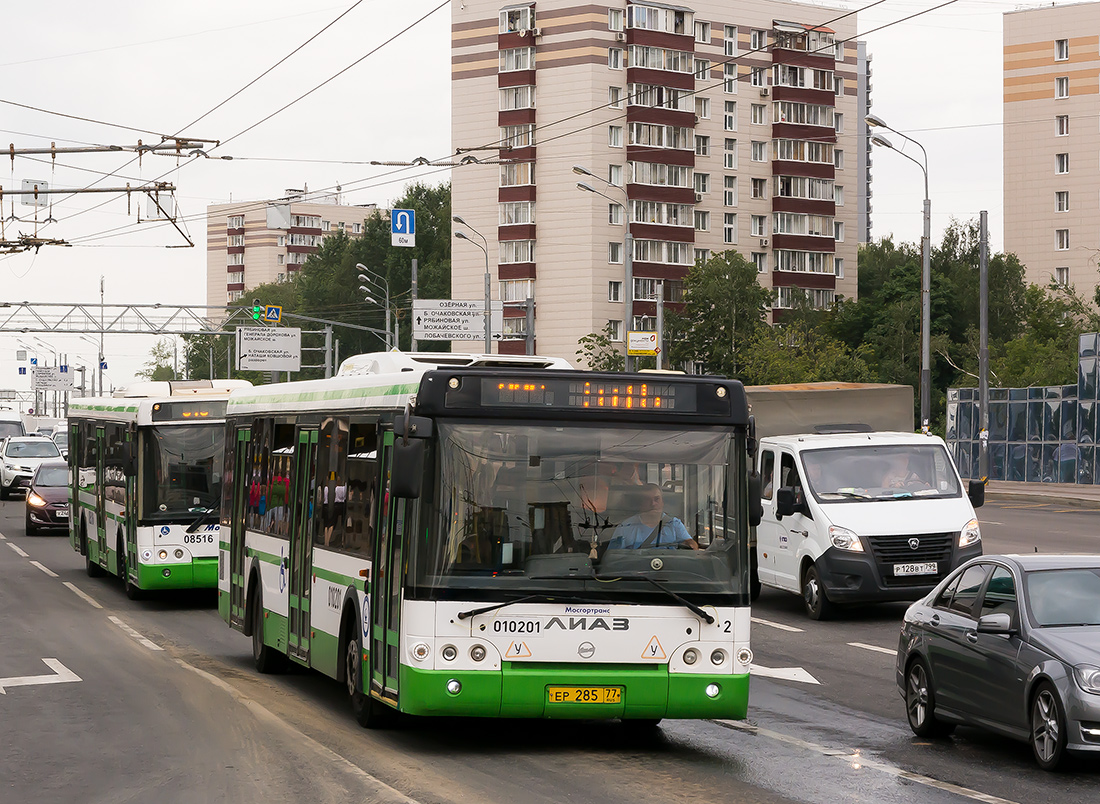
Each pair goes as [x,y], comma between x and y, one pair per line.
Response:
[189,411]
[599,395]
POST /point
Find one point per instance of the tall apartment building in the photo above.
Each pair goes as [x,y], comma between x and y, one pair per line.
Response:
[1052,142]
[707,128]
[250,243]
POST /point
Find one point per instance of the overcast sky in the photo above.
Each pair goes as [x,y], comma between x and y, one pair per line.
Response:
[158,67]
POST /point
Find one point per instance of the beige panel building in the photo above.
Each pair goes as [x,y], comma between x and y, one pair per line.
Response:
[250,243]
[706,128]
[1052,142]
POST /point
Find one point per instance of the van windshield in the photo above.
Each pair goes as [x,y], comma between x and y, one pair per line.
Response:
[880,472]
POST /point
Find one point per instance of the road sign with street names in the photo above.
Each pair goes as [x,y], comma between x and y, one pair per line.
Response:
[50,378]
[403,227]
[455,319]
[269,349]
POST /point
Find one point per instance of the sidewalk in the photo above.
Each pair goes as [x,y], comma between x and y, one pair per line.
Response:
[1066,494]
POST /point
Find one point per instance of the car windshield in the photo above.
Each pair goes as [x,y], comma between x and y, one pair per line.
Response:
[52,476]
[180,471]
[38,448]
[1064,597]
[880,472]
[61,439]
[10,429]
[553,507]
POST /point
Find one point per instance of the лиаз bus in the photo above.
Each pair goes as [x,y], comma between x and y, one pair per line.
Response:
[145,482]
[442,534]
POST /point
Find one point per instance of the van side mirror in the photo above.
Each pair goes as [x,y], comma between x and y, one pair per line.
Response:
[408,468]
[975,490]
[784,502]
[756,491]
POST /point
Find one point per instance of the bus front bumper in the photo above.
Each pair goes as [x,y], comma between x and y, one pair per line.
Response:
[200,573]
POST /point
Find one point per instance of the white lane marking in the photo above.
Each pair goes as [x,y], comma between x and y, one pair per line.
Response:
[45,569]
[3,538]
[16,548]
[783,673]
[856,759]
[875,648]
[990,522]
[145,642]
[780,626]
[81,594]
[60,675]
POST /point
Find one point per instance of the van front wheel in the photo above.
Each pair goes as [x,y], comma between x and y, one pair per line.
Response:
[818,605]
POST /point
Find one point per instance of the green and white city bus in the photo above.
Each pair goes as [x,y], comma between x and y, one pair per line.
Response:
[145,482]
[446,535]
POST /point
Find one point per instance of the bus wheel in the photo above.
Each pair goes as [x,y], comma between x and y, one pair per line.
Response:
[93,569]
[132,590]
[369,713]
[264,656]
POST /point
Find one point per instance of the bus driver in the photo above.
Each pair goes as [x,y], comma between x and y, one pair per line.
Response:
[651,527]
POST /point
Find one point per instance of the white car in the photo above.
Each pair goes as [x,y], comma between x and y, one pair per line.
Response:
[19,457]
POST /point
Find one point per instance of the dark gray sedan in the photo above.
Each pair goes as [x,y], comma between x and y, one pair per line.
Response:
[1010,644]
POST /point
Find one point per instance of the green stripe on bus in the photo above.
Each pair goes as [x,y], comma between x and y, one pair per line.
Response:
[378,392]
[339,579]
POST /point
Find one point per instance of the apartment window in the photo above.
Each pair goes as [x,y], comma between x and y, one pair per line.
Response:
[760,260]
[729,227]
[615,97]
[759,151]
[615,290]
[702,145]
[838,195]
[233,295]
[729,154]
[615,136]
[513,212]
[235,222]
[645,323]
[838,231]
[838,49]
[514,290]
[1061,276]
[702,69]
[759,188]
[356,228]
[729,41]
[281,260]
[701,255]
[838,122]
[838,267]
[702,108]
[516,58]
[517,98]
[758,39]
[838,158]
[756,76]
[234,259]
[759,114]
[614,19]
[615,253]
[234,278]
[326,226]
[838,85]
[702,31]
[517,173]
[1061,125]
[517,251]
[281,240]
[1061,237]
[729,78]
[615,329]
[517,19]
[1061,49]
[729,191]
[1061,87]
[759,225]
[702,182]
[1061,163]
[646,289]
[615,175]
[729,119]
[615,58]
[702,221]
[235,240]
[1061,201]
[615,214]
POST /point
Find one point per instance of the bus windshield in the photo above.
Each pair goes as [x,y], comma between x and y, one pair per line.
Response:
[181,471]
[594,509]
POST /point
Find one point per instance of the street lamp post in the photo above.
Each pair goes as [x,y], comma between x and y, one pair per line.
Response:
[926,270]
[628,256]
[484,246]
[369,276]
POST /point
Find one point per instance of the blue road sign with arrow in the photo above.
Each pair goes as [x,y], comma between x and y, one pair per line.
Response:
[403,227]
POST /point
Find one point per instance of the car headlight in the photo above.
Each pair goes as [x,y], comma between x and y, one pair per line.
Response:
[35,500]
[1088,677]
[845,539]
[970,534]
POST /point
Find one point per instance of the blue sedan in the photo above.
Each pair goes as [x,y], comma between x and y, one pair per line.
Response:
[1010,644]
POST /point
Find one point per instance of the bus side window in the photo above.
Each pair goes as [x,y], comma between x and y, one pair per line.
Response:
[362,475]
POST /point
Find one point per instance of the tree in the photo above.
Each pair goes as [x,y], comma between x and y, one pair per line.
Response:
[161,363]
[599,353]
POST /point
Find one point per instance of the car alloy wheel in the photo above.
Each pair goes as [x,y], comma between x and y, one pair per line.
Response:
[1048,728]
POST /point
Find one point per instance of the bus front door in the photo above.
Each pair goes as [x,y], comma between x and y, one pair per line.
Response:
[301,542]
[101,495]
[241,478]
[385,604]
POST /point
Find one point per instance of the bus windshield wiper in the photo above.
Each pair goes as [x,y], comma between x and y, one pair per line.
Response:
[462,615]
[681,600]
[200,519]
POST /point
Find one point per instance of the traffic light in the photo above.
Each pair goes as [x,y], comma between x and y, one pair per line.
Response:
[257,310]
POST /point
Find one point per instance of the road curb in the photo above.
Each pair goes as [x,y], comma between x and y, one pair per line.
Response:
[1037,498]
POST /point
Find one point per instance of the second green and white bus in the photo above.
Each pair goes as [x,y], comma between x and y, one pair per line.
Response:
[441,533]
[145,482]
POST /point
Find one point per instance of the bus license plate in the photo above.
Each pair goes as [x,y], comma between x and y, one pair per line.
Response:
[584,695]
[926,568]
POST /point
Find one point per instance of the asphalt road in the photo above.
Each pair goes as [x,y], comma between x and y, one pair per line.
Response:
[168,707]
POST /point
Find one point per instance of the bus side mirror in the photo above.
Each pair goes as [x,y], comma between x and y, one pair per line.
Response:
[756,507]
[975,490]
[784,502]
[408,467]
[129,459]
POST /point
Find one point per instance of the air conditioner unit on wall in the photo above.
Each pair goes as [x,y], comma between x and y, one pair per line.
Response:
[620,36]
[537,31]
[764,92]
[698,198]
[764,242]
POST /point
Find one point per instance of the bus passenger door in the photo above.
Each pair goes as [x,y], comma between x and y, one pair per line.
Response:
[385,606]
[101,494]
[241,478]
[301,543]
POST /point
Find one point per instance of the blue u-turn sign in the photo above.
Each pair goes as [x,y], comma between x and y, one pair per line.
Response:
[403,227]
